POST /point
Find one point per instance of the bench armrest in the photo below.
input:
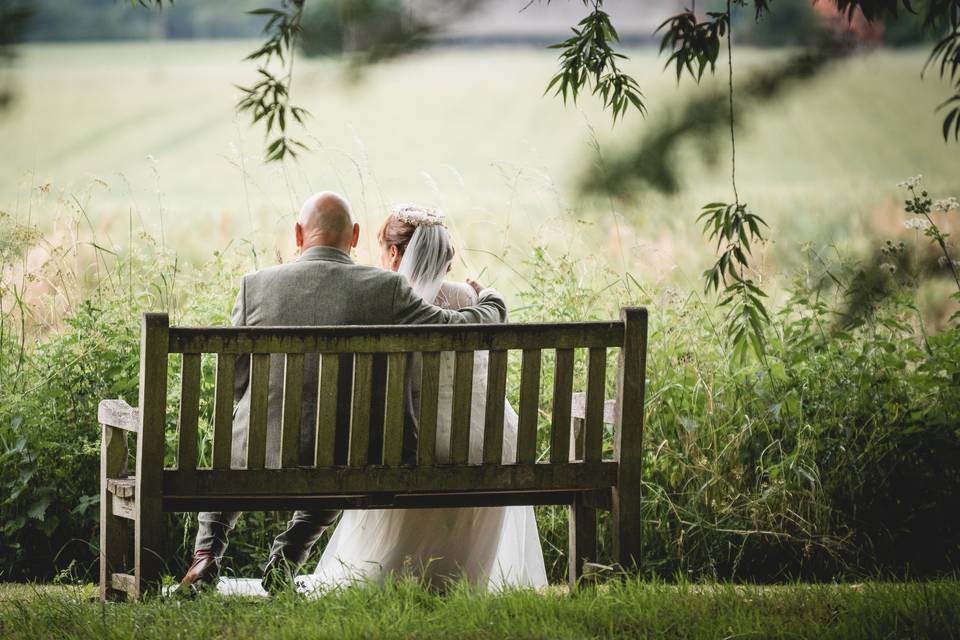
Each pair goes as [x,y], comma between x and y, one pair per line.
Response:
[578,408]
[119,414]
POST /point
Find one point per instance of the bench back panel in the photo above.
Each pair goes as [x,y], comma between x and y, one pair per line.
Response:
[382,353]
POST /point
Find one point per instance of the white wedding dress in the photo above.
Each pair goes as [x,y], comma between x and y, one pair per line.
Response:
[490,547]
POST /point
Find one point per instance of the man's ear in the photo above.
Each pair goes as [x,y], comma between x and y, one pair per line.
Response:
[356,236]
[298,233]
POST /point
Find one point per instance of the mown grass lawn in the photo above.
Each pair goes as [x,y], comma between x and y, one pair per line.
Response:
[631,609]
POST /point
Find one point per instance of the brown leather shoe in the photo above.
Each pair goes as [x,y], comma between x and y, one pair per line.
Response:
[202,573]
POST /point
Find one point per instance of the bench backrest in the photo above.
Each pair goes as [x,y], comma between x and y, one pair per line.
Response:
[290,347]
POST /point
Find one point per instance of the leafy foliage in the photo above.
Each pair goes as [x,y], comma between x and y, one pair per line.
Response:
[790,466]
[588,60]
[269,98]
[735,229]
[692,42]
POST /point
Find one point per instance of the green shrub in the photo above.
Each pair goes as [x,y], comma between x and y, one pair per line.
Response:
[836,455]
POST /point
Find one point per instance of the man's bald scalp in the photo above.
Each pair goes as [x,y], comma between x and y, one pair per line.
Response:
[326,218]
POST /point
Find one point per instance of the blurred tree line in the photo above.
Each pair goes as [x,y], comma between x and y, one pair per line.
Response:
[332,26]
[65,20]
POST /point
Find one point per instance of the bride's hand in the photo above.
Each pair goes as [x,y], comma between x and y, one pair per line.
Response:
[476,286]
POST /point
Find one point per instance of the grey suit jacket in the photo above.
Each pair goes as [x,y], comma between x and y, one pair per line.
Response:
[325,287]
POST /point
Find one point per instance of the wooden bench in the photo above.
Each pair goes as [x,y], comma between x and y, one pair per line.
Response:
[581,478]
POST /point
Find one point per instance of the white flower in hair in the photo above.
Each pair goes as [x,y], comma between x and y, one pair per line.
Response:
[420,216]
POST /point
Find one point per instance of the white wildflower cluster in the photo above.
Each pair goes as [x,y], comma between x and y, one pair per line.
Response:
[943,261]
[948,204]
[891,268]
[917,223]
[911,182]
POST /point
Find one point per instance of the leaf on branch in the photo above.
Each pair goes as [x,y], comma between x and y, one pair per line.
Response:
[588,60]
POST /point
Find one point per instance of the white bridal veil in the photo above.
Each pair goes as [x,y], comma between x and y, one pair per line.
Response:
[428,255]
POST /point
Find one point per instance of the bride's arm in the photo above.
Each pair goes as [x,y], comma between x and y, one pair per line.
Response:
[457,295]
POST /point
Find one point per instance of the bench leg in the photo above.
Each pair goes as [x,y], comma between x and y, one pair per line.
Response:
[148,561]
[114,530]
[582,539]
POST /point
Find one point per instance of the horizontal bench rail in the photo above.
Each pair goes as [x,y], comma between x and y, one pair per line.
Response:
[396,480]
[393,338]
[596,498]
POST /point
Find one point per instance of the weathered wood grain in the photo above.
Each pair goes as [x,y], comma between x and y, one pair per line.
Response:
[360,415]
[118,414]
[460,415]
[493,413]
[148,527]
[582,539]
[429,397]
[223,411]
[560,416]
[394,409]
[292,410]
[594,411]
[628,440]
[394,338]
[113,530]
[189,418]
[259,407]
[398,480]
[578,408]
[529,406]
[327,409]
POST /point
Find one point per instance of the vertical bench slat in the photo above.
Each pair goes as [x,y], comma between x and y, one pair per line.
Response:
[593,419]
[189,412]
[394,406]
[259,405]
[360,415]
[462,396]
[427,423]
[292,408]
[529,406]
[326,434]
[493,414]
[223,411]
[562,397]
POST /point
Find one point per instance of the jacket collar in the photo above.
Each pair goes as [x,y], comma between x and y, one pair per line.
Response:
[329,254]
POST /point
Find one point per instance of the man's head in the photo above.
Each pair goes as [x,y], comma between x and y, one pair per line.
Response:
[325,220]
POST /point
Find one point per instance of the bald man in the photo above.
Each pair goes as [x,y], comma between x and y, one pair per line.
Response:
[322,287]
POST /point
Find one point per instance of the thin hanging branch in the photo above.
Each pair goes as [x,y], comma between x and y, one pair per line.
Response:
[269,98]
[736,230]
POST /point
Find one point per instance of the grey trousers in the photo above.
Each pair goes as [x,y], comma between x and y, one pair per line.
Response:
[293,545]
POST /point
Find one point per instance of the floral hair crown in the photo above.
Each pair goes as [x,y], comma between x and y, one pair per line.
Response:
[419,216]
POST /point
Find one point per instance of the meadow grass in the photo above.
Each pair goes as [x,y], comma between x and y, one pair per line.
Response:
[629,609]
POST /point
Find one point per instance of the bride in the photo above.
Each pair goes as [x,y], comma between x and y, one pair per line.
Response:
[491,547]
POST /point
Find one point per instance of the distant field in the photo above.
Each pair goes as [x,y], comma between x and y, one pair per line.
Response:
[144,135]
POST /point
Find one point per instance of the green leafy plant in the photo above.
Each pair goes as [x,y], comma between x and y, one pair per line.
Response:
[269,98]
[588,60]
[735,229]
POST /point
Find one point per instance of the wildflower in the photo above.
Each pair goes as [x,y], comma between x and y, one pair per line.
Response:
[911,182]
[891,268]
[917,223]
[947,204]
